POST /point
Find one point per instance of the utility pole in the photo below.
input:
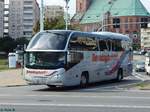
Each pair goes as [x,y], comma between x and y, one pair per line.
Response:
[41,16]
[66,15]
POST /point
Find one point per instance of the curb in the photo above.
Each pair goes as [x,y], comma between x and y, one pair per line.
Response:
[144,88]
[135,86]
[18,85]
[14,85]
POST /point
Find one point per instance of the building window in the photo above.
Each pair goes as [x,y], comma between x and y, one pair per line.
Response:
[126,23]
[80,6]
[131,23]
[137,20]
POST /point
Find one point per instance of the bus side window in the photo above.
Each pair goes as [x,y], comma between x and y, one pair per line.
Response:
[91,44]
[118,45]
[103,45]
[113,46]
[73,43]
[83,43]
[109,45]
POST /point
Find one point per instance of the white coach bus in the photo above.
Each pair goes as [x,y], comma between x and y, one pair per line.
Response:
[69,58]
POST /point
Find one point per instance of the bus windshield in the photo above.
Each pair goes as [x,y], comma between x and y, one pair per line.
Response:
[45,60]
[50,40]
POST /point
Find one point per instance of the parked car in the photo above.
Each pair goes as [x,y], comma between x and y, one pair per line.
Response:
[136,52]
[143,52]
[140,66]
[147,54]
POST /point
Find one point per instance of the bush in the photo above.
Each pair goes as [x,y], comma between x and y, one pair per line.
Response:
[8,44]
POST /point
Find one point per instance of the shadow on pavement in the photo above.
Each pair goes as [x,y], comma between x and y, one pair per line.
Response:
[105,84]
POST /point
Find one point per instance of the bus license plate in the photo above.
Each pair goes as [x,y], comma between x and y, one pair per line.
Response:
[41,80]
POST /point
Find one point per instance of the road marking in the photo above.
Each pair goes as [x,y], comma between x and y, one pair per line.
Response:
[140,76]
[79,105]
[144,76]
[80,96]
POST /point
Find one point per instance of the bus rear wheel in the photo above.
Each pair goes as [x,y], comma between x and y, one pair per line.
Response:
[84,80]
[119,75]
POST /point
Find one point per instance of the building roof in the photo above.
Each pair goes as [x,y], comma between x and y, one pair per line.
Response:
[78,16]
[115,7]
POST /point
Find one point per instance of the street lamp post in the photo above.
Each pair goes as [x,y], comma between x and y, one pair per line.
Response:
[66,15]
[41,16]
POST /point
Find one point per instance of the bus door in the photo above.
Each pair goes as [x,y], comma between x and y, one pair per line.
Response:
[103,58]
[83,47]
[74,60]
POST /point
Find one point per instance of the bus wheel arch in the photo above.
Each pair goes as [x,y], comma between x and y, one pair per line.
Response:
[119,74]
[84,80]
[51,86]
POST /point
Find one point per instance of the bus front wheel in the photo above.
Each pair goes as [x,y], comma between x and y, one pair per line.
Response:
[84,80]
[51,86]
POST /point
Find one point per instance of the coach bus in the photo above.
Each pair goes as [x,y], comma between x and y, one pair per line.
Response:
[70,58]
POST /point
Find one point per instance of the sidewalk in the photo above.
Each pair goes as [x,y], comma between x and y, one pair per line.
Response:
[11,78]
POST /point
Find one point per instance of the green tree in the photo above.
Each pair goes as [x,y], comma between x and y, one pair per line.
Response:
[60,24]
[57,23]
[36,27]
[21,41]
[7,44]
[74,27]
[47,24]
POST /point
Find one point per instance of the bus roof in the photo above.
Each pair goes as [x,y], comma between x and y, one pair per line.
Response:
[104,35]
[45,41]
[110,35]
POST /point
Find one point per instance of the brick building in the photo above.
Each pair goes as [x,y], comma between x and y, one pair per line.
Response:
[93,15]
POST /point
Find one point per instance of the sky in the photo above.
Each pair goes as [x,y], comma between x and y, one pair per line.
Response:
[146,4]
[72,4]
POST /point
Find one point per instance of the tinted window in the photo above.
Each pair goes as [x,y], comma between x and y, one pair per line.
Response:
[45,60]
[116,45]
[103,45]
[109,44]
[49,41]
[83,43]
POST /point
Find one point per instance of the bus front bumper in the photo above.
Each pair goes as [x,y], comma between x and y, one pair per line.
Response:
[49,80]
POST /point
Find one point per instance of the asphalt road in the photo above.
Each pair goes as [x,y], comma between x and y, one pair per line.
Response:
[101,97]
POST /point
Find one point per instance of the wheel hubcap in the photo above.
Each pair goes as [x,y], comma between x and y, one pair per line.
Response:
[83,80]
